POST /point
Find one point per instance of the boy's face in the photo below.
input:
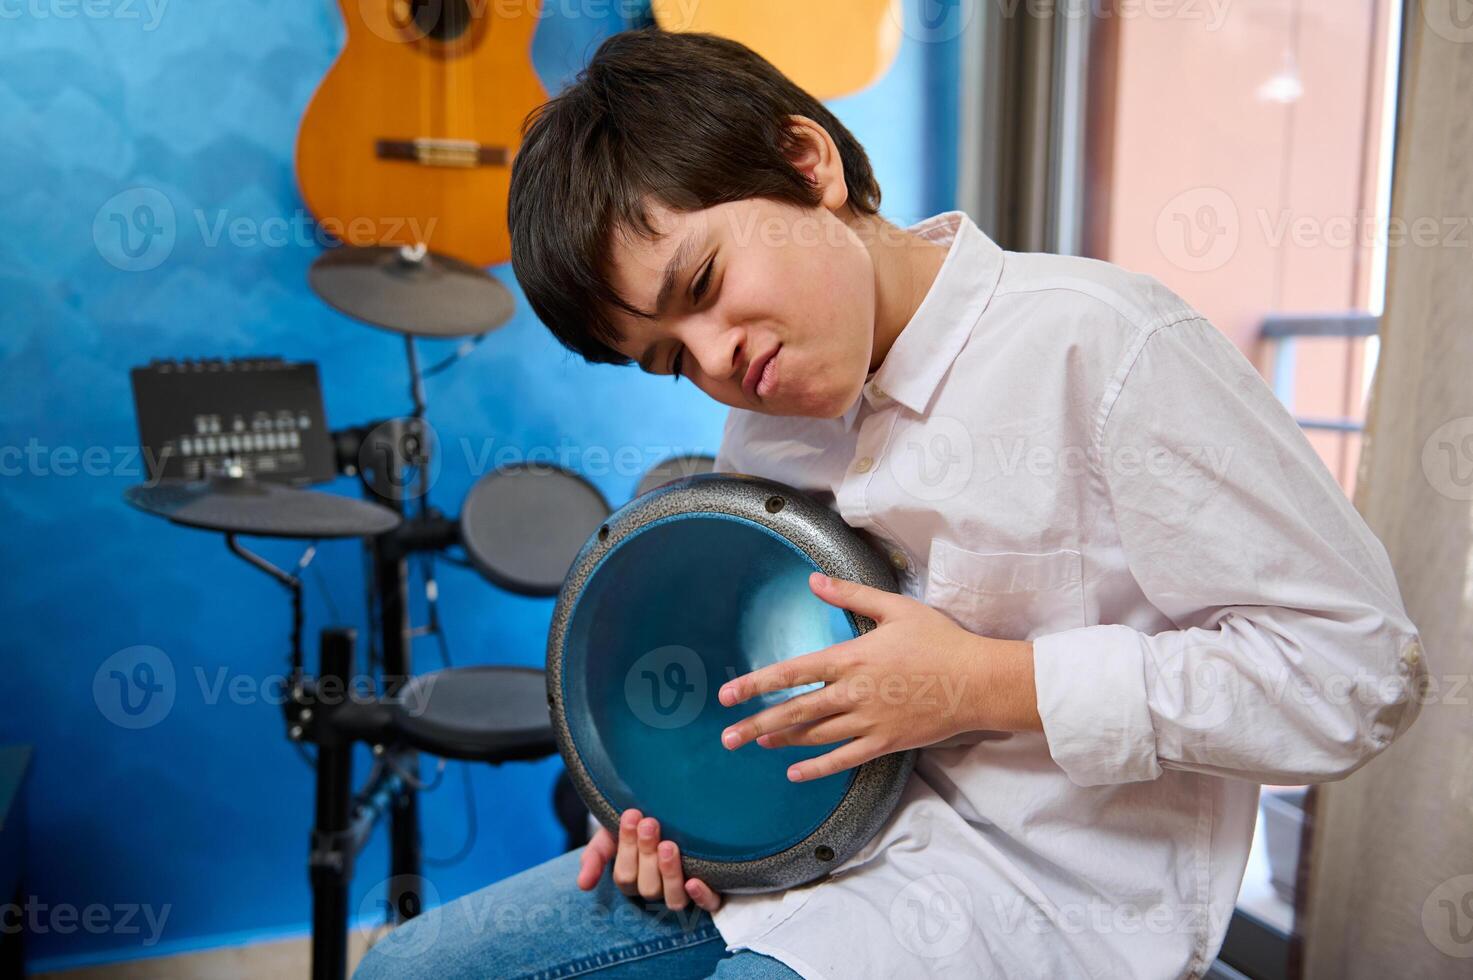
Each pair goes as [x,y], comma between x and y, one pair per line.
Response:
[750,278]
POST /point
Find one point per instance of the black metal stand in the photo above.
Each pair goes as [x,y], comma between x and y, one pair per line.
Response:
[332,852]
[388,454]
[388,457]
[392,460]
[324,713]
[390,571]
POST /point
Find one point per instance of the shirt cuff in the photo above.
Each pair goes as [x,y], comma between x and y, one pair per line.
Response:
[1091,686]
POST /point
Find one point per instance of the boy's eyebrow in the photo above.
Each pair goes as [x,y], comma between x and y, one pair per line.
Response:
[673,274]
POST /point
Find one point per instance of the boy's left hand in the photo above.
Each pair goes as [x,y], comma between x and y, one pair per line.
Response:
[916,679]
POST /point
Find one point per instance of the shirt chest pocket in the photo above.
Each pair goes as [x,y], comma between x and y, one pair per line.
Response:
[1008,595]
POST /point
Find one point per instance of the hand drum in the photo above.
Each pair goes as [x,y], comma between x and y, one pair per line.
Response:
[689,585]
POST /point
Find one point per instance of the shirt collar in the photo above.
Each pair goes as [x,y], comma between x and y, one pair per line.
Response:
[929,343]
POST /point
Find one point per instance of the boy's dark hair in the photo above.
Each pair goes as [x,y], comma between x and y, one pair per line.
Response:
[690,120]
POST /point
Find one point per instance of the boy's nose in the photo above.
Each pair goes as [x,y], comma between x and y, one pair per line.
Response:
[723,358]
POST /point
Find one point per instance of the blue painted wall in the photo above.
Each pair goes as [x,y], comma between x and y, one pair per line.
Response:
[198,816]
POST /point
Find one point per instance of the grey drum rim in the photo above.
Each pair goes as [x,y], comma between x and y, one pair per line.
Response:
[877,784]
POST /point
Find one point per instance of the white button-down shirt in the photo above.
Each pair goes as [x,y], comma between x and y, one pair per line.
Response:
[1057,450]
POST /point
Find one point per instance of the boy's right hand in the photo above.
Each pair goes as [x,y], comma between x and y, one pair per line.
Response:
[644,865]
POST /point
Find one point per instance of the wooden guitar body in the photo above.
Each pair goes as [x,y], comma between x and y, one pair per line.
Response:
[410,136]
[830,48]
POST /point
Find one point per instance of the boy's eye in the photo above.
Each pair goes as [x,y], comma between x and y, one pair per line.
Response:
[704,282]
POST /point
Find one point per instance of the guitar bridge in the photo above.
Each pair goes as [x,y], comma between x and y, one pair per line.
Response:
[435,152]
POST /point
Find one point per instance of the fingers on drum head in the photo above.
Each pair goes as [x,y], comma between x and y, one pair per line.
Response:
[676,593]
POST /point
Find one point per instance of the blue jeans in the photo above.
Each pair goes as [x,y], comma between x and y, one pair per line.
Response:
[540,924]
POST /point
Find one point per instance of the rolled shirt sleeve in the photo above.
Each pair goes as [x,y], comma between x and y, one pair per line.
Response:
[1293,659]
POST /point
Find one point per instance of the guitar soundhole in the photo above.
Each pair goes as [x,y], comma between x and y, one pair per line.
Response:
[442,20]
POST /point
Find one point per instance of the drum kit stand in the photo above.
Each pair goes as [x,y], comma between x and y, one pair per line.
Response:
[230,466]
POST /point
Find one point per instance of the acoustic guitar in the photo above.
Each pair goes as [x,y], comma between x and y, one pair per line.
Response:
[830,48]
[409,138]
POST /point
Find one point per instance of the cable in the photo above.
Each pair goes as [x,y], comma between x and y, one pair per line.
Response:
[415,782]
[463,350]
[458,562]
[307,757]
[472,831]
[432,601]
[437,630]
[332,607]
[372,657]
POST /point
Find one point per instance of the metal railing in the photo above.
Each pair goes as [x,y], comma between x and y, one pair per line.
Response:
[1285,328]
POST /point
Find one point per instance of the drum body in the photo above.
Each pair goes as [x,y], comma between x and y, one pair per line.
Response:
[522,525]
[692,584]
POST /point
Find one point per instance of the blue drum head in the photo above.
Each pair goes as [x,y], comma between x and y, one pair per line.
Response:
[688,586]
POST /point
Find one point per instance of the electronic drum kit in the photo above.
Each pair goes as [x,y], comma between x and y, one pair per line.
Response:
[700,577]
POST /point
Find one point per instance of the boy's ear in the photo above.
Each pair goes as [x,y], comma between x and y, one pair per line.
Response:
[817,157]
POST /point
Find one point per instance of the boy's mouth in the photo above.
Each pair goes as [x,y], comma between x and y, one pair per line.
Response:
[761,376]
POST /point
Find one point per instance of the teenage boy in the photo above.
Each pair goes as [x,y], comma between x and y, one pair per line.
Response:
[1131,591]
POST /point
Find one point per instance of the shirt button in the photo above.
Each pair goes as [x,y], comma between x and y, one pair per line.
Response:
[899,559]
[865,465]
[1411,657]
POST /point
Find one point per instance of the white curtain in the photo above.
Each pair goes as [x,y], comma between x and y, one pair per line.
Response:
[1390,873]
